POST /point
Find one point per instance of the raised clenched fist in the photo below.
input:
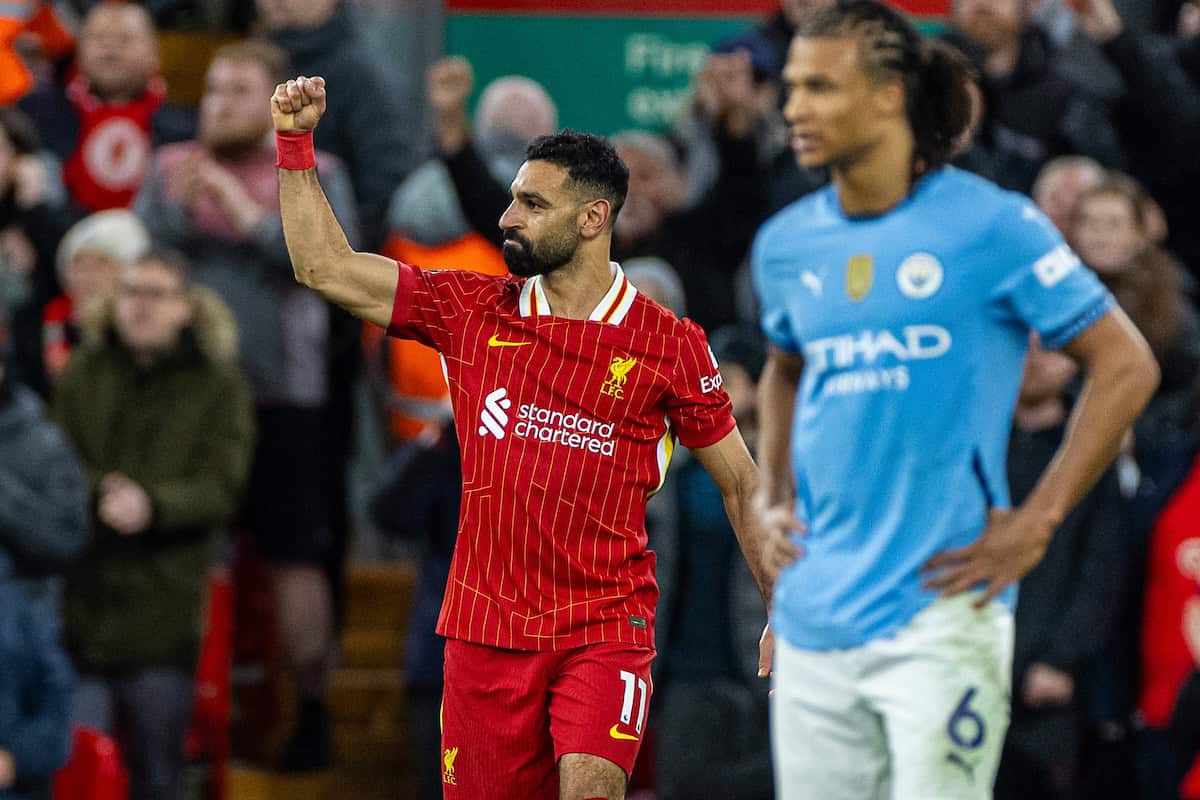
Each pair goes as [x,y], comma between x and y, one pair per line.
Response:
[298,105]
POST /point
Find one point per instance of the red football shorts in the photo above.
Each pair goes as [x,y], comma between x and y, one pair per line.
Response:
[508,715]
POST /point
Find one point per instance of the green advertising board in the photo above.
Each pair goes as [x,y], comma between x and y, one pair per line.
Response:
[612,65]
[606,73]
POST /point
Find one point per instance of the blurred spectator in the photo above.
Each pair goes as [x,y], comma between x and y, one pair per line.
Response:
[26,19]
[1060,183]
[427,228]
[154,402]
[30,229]
[697,127]
[368,124]
[659,281]
[710,238]
[1065,610]
[43,525]
[512,112]
[371,124]
[43,496]
[1172,574]
[713,708]
[35,696]
[1031,112]
[90,257]
[418,497]
[1112,231]
[103,123]
[217,199]
[1158,117]
[774,36]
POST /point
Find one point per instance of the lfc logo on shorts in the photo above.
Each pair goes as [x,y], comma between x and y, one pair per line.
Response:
[448,765]
[860,274]
[618,374]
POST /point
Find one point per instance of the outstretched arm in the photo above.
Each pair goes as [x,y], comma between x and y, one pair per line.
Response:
[362,283]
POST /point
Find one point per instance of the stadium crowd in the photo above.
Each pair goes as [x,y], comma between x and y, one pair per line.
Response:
[167,389]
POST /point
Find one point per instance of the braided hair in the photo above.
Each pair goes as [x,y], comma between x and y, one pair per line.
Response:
[936,78]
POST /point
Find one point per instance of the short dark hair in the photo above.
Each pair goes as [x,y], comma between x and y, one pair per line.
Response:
[170,258]
[936,77]
[591,162]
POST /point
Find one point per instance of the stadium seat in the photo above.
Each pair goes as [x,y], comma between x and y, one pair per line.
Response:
[94,771]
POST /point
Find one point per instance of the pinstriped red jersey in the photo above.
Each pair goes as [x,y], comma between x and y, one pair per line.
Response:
[566,428]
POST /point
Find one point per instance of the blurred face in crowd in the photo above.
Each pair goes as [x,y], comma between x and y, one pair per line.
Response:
[233,116]
[834,112]
[117,50]
[151,307]
[656,188]
[991,24]
[516,109]
[1106,232]
[276,14]
[1058,190]
[541,225]
[1046,375]
[91,278]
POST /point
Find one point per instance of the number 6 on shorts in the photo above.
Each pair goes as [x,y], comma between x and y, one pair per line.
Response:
[966,727]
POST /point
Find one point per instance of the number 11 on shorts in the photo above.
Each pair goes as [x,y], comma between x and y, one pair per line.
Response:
[633,686]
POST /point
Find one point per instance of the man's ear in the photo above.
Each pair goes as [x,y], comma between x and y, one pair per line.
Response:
[889,99]
[594,217]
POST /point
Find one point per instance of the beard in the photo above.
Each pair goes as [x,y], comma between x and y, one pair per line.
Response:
[525,259]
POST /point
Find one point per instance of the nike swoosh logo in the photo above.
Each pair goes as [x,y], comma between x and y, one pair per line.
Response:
[497,342]
[616,734]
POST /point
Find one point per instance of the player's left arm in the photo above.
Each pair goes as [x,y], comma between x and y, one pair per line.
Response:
[733,470]
[1121,375]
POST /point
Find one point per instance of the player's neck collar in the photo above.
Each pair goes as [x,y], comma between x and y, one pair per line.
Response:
[611,309]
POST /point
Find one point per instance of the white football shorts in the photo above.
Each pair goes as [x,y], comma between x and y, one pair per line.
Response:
[918,716]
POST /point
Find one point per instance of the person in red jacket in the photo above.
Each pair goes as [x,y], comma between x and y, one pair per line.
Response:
[112,110]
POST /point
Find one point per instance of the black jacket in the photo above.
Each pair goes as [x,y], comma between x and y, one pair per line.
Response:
[1036,113]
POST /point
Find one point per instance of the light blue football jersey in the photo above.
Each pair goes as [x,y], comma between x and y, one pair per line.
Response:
[913,326]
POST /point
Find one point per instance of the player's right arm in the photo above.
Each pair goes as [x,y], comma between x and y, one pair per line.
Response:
[775,503]
[362,283]
[776,405]
[776,499]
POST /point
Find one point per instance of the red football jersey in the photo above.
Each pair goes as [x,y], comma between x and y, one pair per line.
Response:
[566,428]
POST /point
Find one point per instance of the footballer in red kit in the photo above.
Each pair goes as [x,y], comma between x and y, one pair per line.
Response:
[569,390]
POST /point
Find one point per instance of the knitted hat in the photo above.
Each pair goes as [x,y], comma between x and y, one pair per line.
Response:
[116,233]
